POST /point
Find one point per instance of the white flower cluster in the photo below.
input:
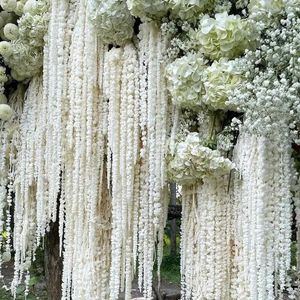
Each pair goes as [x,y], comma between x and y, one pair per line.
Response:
[22,48]
[192,161]
[219,80]
[112,20]
[5,112]
[33,23]
[148,9]
[227,138]
[193,85]
[266,7]
[190,10]
[270,95]
[185,84]
[224,36]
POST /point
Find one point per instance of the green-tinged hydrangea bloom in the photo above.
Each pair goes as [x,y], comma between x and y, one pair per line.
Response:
[190,9]
[6,49]
[192,161]
[184,78]
[36,7]
[24,54]
[5,112]
[11,31]
[8,5]
[224,36]
[149,9]
[33,26]
[219,80]
[24,60]
[19,9]
[112,20]
[266,7]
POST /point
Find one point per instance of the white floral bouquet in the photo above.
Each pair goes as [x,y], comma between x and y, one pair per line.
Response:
[149,9]
[224,36]
[219,80]
[185,84]
[192,161]
[112,20]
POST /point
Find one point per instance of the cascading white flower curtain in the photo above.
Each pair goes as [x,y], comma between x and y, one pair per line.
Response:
[135,94]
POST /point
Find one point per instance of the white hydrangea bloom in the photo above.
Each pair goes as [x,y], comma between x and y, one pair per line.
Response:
[19,8]
[224,36]
[24,54]
[266,7]
[8,5]
[219,80]
[149,9]
[6,49]
[192,161]
[5,112]
[112,20]
[185,84]
[33,25]
[11,31]
[190,9]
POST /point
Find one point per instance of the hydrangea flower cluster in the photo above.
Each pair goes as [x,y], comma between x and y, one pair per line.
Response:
[185,84]
[193,85]
[22,50]
[5,112]
[149,9]
[219,80]
[112,20]
[190,10]
[224,36]
[193,161]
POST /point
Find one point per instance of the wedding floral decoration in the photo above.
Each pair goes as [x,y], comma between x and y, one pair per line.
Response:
[192,161]
[5,112]
[219,80]
[190,9]
[148,9]
[112,20]
[102,103]
[226,36]
[273,88]
[24,53]
[185,80]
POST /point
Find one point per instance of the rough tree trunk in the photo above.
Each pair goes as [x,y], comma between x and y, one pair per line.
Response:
[173,225]
[53,263]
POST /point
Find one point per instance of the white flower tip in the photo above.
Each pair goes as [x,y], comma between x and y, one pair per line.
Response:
[5,112]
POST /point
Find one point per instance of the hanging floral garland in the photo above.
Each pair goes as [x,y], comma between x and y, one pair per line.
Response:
[133,94]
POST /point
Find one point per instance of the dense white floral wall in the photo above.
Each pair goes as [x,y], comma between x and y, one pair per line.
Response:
[104,102]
